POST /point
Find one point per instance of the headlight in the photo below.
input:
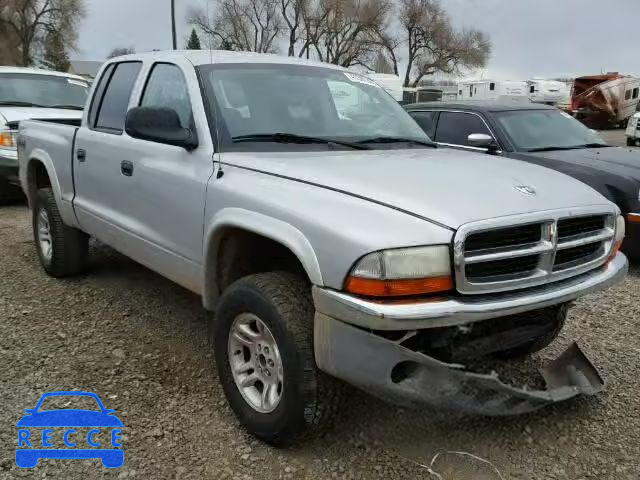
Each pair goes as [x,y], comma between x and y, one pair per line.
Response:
[618,238]
[402,272]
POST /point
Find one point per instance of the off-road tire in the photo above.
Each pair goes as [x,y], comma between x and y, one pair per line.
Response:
[70,246]
[539,343]
[310,398]
[9,194]
[631,142]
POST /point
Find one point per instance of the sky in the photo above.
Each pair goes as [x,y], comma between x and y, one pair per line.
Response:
[531,38]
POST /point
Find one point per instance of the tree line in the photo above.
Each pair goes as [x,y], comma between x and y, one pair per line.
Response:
[45,30]
[374,34]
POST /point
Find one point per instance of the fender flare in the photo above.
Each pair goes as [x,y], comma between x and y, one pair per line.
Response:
[269,227]
[29,187]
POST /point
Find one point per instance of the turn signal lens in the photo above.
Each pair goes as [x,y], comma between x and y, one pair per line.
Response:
[402,272]
[7,140]
[397,288]
[619,237]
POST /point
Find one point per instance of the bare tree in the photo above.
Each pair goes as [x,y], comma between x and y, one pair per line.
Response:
[293,14]
[346,32]
[9,42]
[32,21]
[382,64]
[119,51]
[434,45]
[248,25]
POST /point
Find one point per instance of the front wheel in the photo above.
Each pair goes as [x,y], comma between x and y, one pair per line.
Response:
[263,340]
[63,251]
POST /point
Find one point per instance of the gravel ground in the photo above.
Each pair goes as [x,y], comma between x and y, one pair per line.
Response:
[139,342]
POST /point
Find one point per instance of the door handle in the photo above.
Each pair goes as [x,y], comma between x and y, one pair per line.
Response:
[81,155]
[126,167]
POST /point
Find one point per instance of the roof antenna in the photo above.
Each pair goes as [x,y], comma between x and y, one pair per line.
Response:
[217,148]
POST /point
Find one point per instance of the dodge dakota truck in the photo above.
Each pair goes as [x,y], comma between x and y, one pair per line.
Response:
[27,93]
[331,245]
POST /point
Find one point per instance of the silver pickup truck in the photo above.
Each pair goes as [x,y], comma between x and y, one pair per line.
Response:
[330,236]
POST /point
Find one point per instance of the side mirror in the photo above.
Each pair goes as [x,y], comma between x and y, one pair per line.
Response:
[482,140]
[161,125]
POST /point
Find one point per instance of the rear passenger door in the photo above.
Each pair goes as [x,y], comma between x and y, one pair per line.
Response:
[100,190]
[454,128]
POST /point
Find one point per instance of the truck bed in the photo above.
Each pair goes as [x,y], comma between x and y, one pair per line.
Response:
[51,142]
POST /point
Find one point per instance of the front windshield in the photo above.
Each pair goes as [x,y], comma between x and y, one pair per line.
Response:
[302,100]
[23,89]
[545,129]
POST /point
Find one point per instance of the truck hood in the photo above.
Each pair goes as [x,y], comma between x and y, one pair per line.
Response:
[442,185]
[15,114]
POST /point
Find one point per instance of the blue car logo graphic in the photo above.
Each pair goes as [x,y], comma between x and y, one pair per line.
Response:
[105,429]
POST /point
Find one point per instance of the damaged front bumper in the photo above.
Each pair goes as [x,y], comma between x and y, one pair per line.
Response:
[403,377]
[387,369]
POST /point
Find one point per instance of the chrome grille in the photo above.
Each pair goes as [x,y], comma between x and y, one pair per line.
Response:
[525,251]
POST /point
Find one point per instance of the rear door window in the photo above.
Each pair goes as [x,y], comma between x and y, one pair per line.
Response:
[115,101]
[99,93]
[455,127]
[427,121]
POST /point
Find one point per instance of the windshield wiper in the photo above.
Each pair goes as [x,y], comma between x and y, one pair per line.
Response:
[65,107]
[573,147]
[551,149]
[400,140]
[12,103]
[595,145]
[293,138]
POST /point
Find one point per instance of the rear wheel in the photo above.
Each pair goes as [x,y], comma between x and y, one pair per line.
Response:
[631,142]
[263,339]
[63,251]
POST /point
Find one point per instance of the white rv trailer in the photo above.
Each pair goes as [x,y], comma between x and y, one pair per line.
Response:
[501,90]
[550,92]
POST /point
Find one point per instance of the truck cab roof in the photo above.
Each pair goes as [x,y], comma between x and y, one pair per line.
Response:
[209,57]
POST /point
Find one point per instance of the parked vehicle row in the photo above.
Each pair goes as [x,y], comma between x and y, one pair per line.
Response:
[544,136]
[330,235]
[30,93]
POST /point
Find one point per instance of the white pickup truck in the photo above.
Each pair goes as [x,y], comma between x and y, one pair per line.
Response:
[28,93]
[329,244]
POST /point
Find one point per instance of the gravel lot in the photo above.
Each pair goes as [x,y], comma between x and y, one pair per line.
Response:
[139,342]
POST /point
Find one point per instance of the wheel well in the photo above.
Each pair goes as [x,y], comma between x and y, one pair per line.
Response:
[241,253]
[37,177]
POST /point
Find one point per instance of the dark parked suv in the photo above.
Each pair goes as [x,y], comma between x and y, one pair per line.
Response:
[545,136]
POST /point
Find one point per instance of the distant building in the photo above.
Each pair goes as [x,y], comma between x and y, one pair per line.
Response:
[84,68]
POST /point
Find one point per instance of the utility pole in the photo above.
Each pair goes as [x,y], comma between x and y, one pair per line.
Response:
[173,24]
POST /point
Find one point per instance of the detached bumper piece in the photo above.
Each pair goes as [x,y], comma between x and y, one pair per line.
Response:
[396,374]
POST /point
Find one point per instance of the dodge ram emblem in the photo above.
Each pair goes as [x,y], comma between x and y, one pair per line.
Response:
[525,189]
